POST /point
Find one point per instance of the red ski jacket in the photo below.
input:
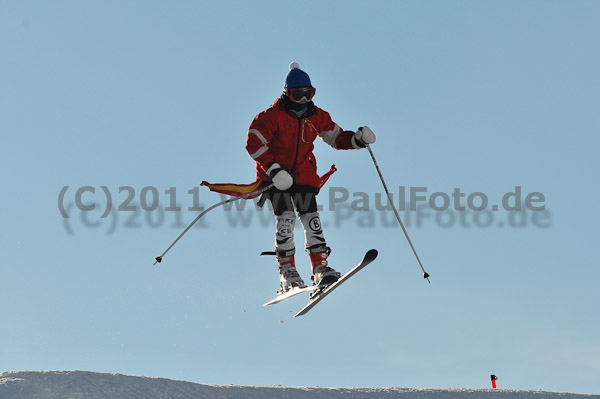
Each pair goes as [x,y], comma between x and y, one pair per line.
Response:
[277,135]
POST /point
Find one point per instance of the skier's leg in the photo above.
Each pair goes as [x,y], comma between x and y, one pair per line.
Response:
[305,202]
[285,220]
[314,240]
[284,232]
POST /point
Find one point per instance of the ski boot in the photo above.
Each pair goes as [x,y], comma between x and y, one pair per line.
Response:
[288,275]
[323,275]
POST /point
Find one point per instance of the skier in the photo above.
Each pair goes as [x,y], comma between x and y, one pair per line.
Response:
[280,140]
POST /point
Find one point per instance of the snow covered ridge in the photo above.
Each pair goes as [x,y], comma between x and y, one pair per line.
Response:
[82,384]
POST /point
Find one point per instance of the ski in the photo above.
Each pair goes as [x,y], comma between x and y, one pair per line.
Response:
[321,292]
[290,293]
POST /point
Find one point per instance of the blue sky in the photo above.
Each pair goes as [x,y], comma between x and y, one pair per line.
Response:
[481,96]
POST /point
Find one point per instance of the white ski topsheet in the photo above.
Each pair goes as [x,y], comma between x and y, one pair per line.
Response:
[293,292]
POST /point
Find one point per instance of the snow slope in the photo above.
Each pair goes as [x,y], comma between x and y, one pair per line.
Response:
[82,384]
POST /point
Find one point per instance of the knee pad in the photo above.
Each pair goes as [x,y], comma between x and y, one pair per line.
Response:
[313,232]
[284,231]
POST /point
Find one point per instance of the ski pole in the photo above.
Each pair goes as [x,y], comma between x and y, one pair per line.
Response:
[425,274]
[245,196]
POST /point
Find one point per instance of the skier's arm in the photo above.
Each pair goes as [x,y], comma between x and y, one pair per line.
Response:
[337,138]
[257,143]
[341,139]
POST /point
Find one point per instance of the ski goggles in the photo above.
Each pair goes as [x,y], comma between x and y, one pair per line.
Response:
[301,94]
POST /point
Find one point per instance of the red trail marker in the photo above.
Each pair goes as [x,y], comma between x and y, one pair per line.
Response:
[493,378]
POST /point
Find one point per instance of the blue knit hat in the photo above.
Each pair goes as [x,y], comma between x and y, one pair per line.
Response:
[296,77]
